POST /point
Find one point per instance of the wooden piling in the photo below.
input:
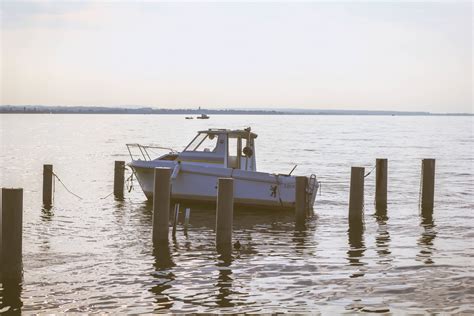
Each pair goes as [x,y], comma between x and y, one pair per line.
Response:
[225,212]
[175,218]
[161,204]
[47,185]
[356,197]
[187,214]
[300,198]
[119,180]
[11,234]
[381,180]
[427,184]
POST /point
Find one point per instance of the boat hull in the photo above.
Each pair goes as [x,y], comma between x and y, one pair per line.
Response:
[197,183]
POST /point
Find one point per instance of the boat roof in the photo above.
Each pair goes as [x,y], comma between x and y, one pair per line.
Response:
[233,132]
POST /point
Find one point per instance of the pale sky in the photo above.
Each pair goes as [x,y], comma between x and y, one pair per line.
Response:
[414,56]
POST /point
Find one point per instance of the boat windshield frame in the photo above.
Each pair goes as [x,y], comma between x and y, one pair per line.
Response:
[195,149]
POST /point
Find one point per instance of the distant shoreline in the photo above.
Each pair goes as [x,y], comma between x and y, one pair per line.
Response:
[41,109]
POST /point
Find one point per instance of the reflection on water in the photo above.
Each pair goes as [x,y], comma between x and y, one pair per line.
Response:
[10,297]
[47,213]
[164,276]
[425,242]
[356,245]
[382,239]
[298,239]
[300,225]
[224,280]
[146,210]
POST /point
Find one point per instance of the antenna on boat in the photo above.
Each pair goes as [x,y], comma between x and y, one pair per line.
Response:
[292,170]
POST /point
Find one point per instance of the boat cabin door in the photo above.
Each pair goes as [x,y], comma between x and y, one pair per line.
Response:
[240,153]
[234,152]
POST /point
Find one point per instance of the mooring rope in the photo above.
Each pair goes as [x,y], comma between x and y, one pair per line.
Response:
[334,182]
[66,187]
[102,198]
[129,179]
[128,182]
[129,187]
[367,174]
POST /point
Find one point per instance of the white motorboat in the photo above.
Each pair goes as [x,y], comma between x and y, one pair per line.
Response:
[213,154]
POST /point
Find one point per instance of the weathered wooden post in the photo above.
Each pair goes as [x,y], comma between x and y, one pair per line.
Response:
[381,181]
[175,218]
[225,212]
[47,185]
[119,172]
[187,214]
[427,185]
[11,234]
[11,297]
[356,197]
[300,198]
[161,204]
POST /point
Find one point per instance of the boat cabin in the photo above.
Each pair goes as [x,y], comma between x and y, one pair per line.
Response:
[222,148]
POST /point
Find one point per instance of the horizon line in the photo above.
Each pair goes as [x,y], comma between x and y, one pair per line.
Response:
[280,110]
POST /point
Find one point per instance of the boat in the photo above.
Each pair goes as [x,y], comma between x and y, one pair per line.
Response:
[189,117]
[203,117]
[214,154]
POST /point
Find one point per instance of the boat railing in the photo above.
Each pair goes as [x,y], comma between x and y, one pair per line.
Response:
[142,152]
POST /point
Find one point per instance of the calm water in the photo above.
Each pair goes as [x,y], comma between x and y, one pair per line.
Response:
[96,254]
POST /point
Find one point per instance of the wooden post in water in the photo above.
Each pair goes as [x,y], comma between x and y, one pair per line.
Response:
[301,184]
[427,185]
[47,185]
[11,234]
[225,212]
[175,218]
[381,181]
[187,214]
[119,172]
[356,197]
[161,205]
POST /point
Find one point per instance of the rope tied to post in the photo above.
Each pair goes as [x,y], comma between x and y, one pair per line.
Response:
[128,184]
[368,173]
[102,198]
[67,189]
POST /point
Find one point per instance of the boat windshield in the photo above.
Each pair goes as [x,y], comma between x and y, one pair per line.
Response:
[203,142]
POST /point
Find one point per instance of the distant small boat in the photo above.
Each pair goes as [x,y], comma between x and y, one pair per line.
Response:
[189,117]
[203,117]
